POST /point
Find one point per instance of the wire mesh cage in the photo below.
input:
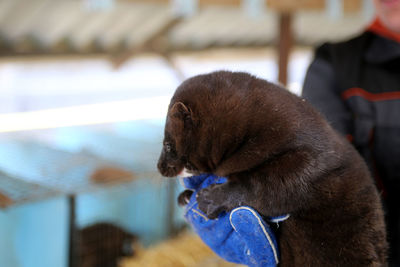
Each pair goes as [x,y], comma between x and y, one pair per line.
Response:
[116,198]
[17,191]
[103,244]
[58,170]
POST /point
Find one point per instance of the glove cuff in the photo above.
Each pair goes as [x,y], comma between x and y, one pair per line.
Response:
[265,230]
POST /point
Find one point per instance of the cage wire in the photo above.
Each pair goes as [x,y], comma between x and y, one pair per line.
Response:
[17,191]
[64,172]
[104,244]
[33,171]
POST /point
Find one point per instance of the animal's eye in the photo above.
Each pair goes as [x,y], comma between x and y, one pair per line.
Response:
[167,147]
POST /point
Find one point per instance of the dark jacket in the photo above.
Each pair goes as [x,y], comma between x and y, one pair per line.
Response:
[356,85]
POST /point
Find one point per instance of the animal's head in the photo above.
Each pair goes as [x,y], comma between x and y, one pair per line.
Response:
[178,128]
[208,120]
[222,123]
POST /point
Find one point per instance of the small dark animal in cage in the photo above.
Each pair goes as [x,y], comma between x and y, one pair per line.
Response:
[103,244]
[280,156]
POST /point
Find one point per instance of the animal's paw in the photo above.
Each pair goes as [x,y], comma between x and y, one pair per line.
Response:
[208,202]
[184,197]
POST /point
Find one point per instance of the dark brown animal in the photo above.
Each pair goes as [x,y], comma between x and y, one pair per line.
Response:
[280,156]
[103,245]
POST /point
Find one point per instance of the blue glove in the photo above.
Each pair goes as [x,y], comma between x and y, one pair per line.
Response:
[240,236]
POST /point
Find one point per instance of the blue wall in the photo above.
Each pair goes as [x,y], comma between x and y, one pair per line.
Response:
[34,234]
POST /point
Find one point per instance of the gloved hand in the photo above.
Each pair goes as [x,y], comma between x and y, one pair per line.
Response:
[239,236]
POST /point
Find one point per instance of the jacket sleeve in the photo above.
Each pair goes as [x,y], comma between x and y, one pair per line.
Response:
[322,90]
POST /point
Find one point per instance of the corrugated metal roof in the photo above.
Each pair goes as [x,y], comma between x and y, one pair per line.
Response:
[69,26]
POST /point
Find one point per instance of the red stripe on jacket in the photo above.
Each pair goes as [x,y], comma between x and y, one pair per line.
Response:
[355,91]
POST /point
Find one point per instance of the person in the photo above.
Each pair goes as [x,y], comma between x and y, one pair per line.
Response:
[356,85]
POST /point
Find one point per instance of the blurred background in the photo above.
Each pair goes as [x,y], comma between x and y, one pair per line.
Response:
[84,88]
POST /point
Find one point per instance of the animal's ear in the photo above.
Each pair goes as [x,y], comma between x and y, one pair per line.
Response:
[180,112]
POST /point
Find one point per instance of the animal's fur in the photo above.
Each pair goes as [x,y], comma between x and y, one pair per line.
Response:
[103,245]
[280,156]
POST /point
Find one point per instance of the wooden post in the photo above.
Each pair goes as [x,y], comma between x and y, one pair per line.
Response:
[284,45]
[72,254]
